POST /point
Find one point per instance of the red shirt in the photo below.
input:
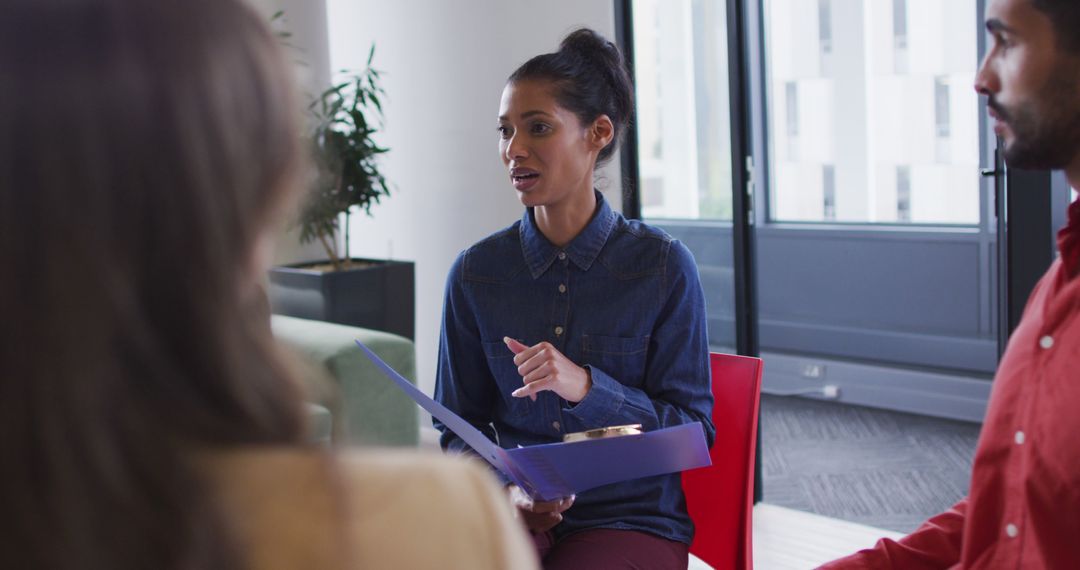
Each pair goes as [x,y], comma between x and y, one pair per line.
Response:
[1023,510]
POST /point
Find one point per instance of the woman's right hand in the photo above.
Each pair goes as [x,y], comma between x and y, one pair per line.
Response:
[539,516]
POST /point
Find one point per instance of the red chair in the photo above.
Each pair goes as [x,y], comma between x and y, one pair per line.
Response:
[720,497]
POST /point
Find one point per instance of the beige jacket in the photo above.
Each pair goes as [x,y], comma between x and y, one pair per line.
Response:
[368,509]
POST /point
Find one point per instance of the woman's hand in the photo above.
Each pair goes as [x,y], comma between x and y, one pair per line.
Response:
[539,516]
[543,367]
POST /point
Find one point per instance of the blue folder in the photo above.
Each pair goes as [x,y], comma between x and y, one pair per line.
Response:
[554,470]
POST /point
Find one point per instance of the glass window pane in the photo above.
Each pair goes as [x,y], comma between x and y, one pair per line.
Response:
[684,141]
[887,107]
[825,25]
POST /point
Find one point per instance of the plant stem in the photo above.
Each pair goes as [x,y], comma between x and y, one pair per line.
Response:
[348,252]
[331,252]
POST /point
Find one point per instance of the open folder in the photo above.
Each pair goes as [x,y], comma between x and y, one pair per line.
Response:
[555,470]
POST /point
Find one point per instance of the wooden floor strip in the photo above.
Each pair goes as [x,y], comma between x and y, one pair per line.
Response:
[786,539]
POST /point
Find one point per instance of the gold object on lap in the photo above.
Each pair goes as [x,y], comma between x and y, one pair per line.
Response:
[612,431]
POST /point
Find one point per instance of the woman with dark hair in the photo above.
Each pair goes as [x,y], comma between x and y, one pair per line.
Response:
[147,152]
[575,318]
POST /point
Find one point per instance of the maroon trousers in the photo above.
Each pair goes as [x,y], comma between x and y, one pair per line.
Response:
[610,549]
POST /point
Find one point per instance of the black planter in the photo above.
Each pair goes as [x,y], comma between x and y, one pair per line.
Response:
[379,296]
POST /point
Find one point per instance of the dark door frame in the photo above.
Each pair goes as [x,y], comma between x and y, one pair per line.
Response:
[742,227]
[745,274]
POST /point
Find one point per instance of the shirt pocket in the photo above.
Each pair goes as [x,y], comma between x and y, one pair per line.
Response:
[622,358]
[500,362]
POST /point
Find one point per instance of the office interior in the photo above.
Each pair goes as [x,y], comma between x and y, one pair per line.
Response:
[827,162]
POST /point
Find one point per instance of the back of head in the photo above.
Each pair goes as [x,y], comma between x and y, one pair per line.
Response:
[1065,14]
[590,79]
[144,146]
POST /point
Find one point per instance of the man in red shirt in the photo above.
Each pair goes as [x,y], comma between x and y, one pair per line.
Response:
[1023,509]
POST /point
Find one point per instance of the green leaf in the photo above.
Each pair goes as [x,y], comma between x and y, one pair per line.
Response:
[344,122]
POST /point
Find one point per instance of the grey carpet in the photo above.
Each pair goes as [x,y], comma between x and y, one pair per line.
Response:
[885,469]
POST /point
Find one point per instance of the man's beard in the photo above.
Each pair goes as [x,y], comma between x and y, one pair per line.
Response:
[1045,128]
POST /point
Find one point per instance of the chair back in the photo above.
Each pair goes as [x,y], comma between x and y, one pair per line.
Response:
[720,497]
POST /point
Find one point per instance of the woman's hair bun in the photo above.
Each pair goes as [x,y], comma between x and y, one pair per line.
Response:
[589,44]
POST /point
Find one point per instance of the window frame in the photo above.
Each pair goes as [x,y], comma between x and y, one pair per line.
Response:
[969,357]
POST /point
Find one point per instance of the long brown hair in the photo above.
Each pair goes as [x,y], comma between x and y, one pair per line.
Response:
[144,147]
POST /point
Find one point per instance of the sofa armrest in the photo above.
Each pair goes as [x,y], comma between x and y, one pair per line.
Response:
[367,407]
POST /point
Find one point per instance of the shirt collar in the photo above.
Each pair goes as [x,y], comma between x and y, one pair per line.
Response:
[582,250]
[1069,241]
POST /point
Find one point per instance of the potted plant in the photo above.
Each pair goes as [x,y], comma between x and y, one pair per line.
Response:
[368,293]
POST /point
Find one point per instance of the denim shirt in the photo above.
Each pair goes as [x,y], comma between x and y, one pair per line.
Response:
[622,299]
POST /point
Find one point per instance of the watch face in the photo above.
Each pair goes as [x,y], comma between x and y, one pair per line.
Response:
[612,431]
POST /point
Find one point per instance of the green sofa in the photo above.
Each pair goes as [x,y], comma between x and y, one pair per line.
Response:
[365,407]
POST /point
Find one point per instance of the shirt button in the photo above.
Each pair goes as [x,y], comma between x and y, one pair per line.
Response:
[562,255]
[558,331]
[1011,530]
[562,288]
[555,425]
[1046,342]
[1019,438]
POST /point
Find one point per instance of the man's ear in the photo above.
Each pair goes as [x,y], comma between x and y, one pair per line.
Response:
[601,132]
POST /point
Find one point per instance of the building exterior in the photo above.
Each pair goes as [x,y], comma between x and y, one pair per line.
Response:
[873,114]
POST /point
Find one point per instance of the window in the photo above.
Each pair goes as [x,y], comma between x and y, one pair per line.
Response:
[791,90]
[863,115]
[899,24]
[941,106]
[825,26]
[684,140]
[903,194]
[942,124]
[684,145]
[791,118]
[900,37]
[858,115]
[828,190]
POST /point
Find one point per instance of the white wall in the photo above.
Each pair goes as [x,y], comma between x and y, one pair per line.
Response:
[306,21]
[445,64]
